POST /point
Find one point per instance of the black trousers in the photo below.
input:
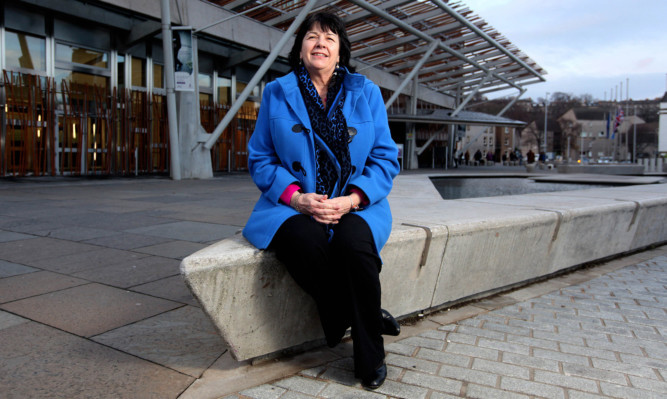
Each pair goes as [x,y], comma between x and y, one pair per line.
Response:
[341,273]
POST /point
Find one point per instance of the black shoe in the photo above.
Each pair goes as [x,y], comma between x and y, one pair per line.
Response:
[375,380]
[389,325]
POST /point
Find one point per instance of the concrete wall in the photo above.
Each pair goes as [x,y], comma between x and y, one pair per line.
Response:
[477,246]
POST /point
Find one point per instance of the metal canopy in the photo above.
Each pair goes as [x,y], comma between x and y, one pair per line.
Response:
[395,35]
[447,117]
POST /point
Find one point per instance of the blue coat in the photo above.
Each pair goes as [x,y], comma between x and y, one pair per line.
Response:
[282,151]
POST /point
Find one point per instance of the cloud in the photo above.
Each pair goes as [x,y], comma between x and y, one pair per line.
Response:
[586,46]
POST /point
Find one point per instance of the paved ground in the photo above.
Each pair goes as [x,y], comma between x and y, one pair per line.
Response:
[92,305]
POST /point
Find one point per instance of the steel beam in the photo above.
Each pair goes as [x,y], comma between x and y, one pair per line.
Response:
[509,104]
[233,16]
[483,34]
[422,35]
[471,95]
[412,74]
[174,143]
[210,142]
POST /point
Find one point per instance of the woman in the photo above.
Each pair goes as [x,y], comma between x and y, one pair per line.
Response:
[323,157]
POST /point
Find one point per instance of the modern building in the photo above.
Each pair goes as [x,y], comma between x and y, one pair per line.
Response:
[84,88]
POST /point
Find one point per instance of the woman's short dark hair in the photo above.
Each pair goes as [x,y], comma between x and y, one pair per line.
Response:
[326,21]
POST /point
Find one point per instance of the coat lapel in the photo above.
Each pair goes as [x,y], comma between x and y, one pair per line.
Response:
[293,97]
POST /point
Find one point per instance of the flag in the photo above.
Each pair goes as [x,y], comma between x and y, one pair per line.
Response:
[617,121]
[608,117]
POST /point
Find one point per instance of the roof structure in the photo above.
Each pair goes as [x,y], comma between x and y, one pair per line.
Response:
[447,117]
[443,44]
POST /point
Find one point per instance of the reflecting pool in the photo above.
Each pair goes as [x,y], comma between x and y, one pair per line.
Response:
[475,187]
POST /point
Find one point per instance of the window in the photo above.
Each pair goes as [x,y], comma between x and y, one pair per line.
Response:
[158,76]
[205,91]
[82,65]
[224,87]
[82,56]
[25,52]
[253,100]
[138,72]
[121,71]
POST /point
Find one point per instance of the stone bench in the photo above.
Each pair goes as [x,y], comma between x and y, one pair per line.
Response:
[439,253]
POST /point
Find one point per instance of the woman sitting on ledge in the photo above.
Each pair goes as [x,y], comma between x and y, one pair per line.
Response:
[323,157]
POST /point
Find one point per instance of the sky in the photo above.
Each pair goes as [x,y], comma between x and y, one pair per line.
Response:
[586,46]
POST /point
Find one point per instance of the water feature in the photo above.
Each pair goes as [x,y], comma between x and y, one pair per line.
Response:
[475,187]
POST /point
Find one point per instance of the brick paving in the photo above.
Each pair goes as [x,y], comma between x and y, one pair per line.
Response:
[92,304]
[601,338]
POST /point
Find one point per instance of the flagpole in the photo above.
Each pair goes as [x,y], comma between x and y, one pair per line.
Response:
[634,136]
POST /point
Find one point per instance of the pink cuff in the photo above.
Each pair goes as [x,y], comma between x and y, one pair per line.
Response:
[364,200]
[286,196]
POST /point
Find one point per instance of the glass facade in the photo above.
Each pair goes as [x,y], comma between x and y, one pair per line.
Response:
[102,104]
[25,52]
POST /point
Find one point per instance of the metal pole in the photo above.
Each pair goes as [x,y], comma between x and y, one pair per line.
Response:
[469,97]
[634,136]
[509,104]
[259,74]
[174,147]
[546,104]
[412,74]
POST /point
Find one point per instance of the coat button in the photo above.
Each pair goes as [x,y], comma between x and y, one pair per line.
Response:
[296,165]
[351,133]
[297,128]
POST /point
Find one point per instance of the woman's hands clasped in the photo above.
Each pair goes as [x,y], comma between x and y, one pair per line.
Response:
[323,209]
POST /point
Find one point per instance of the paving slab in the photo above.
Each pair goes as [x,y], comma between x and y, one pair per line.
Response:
[75,233]
[90,309]
[9,320]
[182,339]
[24,251]
[110,221]
[172,249]
[33,284]
[42,362]
[188,231]
[127,241]
[8,269]
[95,257]
[6,236]
[32,227]
[132,272]
[171,288]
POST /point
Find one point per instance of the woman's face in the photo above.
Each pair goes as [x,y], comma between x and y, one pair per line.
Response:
[320,51]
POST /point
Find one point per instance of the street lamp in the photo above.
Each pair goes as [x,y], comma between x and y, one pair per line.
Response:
[546,104]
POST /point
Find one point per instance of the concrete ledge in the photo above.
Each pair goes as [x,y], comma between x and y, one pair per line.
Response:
[611,169]
[476,246]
